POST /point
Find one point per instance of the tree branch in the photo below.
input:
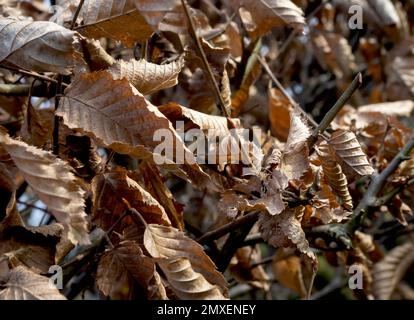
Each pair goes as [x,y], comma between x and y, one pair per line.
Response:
[378,181]
[229,227]
[326,121]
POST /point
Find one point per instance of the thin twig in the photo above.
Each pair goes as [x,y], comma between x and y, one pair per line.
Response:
[203,57]
[33,206]
[326,121]
[223,230]
[118,221]
[56,118]
[30,74]
[134,212]
[261,262]
[387,197]
[280,87]
[76,15]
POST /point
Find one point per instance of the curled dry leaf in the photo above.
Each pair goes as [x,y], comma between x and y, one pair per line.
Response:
[188,269]
[119,20]
[388,272]
[37,126]
[54,183]
[349,152]
[211,125]
[241,96]
[285,230]
[117,116]
[148,77]
[123,266]
[37,45]
[334,176]
[95,55]
[24,284]
[263,15]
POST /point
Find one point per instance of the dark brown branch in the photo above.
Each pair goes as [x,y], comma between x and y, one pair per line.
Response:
[229,227]
[233,243]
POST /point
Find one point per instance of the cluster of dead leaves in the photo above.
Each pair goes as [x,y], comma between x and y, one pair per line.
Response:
[118,71]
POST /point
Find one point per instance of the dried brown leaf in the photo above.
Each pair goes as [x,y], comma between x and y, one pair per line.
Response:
[24,284]
[148,77]
[37,45]
[117,116]
[34,247]
[54,183]
[37,126]
[388,272]
[290,271]
[123,266]
[295,156]
[154,11]
[190,272]
[334,176]
[285,230]
[349,151]
[118,20]
[263,15]
[154,184]
[402,108]
[279,114]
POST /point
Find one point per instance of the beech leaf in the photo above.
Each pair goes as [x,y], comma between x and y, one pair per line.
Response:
[148,77]
[24,284]
[37,45]
[54,183]
[349,151]
[190,272]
